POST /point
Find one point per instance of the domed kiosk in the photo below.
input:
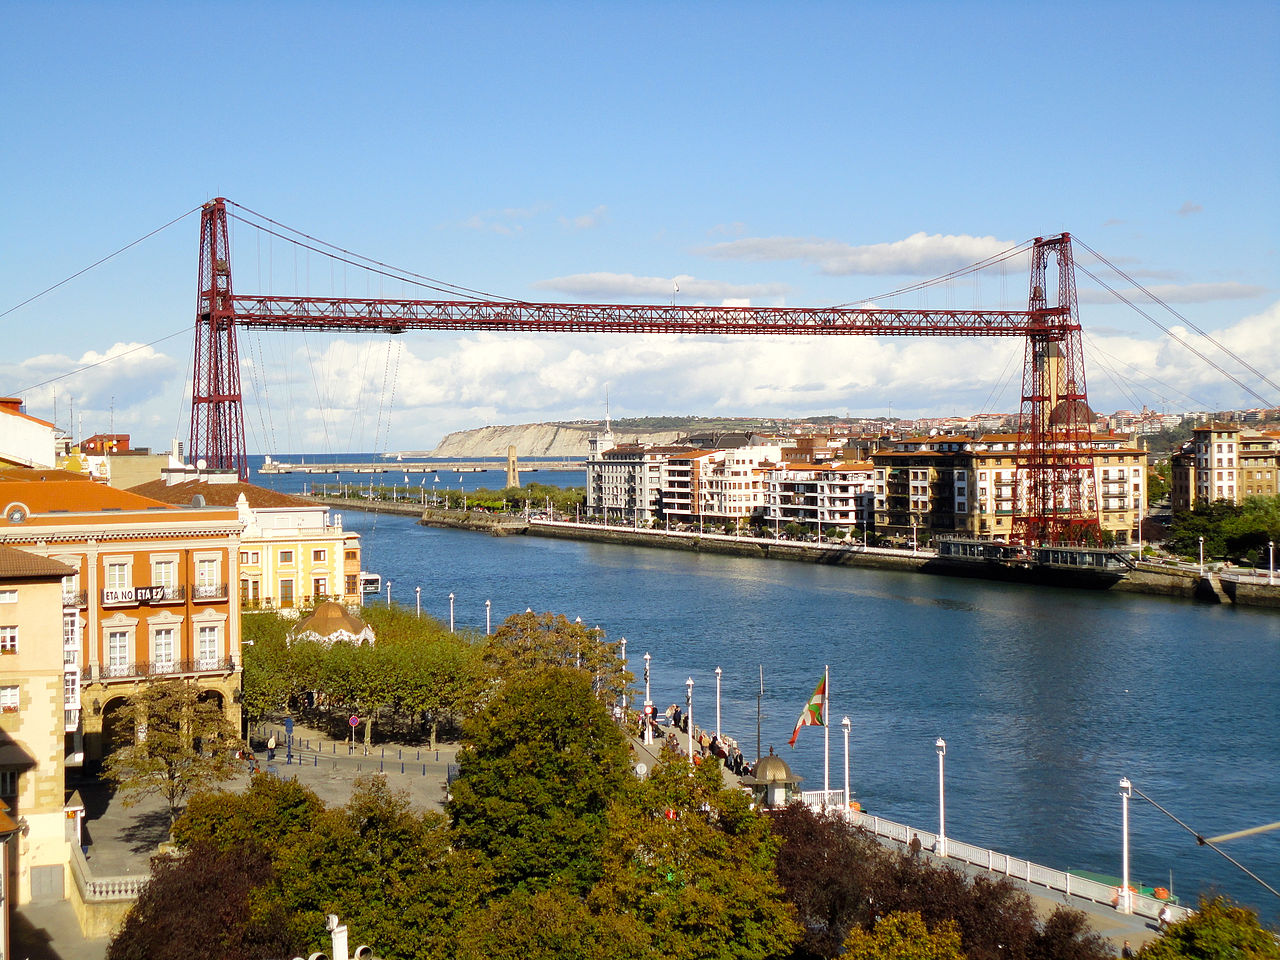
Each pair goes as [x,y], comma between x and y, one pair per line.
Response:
[772,781]
[332,622]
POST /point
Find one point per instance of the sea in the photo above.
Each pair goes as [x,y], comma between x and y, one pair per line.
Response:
[1045,697]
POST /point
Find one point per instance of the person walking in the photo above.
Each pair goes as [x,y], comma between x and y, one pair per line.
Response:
[1126,950]
[271,748]
[915,846]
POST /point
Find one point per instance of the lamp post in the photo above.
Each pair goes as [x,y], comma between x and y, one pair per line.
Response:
[417,596]
[913,534]
[846,725]
[1125,901]
[648,705]
[622,642]
[718,703]
[688,714]
[451,613]
[941,746]
[1271,565]
[1202,556]
[388,593]
[486,618]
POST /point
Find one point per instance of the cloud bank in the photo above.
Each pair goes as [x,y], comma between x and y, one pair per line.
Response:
[919,255]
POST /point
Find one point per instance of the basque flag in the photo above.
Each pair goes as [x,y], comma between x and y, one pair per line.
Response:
[814,713]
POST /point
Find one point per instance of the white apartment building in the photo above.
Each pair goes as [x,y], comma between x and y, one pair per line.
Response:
[834,494]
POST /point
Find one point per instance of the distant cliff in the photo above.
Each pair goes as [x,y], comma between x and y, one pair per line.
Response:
[536,440]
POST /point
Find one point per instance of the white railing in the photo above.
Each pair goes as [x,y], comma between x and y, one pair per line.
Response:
[995,862]
[103,888]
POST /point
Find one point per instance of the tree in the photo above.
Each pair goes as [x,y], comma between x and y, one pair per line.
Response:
[904,936]
[531,641]
[1219,929]
[550,923]
[826,867]
[272,813]
[175,743]
[693,864]
[200,904]
[539,767]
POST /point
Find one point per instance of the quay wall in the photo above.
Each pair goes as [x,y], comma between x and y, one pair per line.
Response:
[1154,579]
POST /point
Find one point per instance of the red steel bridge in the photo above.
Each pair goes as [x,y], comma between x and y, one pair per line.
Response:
[1055,499]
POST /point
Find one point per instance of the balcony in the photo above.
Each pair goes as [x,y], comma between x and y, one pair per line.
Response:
[70,719]
[159,668]
[75,598]
[135,596]
[209,591]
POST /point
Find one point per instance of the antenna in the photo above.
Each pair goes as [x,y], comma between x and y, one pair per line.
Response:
[607,427]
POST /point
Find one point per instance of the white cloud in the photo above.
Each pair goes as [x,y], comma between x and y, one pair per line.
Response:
[920,254]
[507,221]
[627,285]
[587,220]
[1189,208]
[1178,293]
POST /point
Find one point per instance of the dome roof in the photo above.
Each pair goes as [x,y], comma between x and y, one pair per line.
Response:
[773,769]
[331,621]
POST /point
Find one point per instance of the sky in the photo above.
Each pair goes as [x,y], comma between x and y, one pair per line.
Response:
[803,154]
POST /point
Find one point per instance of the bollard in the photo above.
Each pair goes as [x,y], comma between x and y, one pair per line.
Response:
[437,756]
[424,769]
[402,768]
[317,760]
[419,756]
[399,754]
[380,766]
[384,753]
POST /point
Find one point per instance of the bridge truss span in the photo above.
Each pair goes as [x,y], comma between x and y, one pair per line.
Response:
[1055,497]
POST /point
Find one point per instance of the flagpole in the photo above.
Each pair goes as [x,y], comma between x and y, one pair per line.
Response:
[826,730]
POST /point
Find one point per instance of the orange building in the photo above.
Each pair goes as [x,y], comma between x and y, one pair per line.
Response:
[148,597]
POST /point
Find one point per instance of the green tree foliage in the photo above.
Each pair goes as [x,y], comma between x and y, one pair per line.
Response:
[540,765]
[1230,530]
[1219,929]
[175,743]
[693,864]
[200,904]
[904,936]
[532,641]
[272,812]
[550,923]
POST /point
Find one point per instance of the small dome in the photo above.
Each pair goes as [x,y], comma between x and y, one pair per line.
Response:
[773,769]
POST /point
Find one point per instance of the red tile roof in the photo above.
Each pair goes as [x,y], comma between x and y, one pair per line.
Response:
[20,565]
[218,494]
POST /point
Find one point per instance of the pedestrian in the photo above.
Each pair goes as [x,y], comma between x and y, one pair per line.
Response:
[915,846]
[1165,918]
[271,748]
[1126,950]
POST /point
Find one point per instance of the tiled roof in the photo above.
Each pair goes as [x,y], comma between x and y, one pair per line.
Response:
[72,496]
[18,564]
[329,618]
[219,494]
[27,474]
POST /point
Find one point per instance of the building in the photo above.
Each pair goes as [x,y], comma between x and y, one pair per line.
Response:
[1223,461]
[101,444]
[147,595]
[965,486]
[821,494]
[293,551]
[24,440]
[33,694]
[624,482]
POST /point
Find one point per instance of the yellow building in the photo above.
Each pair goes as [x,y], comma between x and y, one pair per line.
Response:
[32,741]
[1223,461]
[293,552]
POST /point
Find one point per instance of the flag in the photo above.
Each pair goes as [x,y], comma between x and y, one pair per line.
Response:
[814,713]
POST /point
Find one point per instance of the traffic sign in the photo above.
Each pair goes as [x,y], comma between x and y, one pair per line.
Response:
[354,721]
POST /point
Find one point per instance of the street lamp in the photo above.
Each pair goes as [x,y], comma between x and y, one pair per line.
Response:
[846,725]
[648,705]
[1271,566]
[1202,556]
[417,596]
[913,534]
[688,714]
[486,618]
[941,746]
[717,704]
[451,613]
[388,593]
[1125,901]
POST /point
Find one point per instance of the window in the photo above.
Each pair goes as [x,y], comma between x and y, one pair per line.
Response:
[9,699]
[352,555]
[286,556]
[248,556]
[207,573]
[118,576]
[286,593]
[8,639]
[70,637]
[8,596]
[117,653]
[352,583]
[320,587]
[317,556]
[162,649]
[8,782]
[70,690]
[164,573]
[207,647]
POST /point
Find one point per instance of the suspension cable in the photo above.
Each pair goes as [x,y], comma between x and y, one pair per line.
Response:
[97,263]
[1203,842]
[1229,352]
[990,261]
[386,269]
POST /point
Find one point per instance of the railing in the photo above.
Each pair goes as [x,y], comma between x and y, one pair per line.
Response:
[73,598]
[994,862]
[159,668]
[134,596]
[209,591]
[103,888]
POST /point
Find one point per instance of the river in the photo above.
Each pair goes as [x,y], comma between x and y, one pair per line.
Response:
[1045,697]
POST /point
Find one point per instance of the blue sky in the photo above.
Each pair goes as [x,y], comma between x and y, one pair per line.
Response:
[802,153]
